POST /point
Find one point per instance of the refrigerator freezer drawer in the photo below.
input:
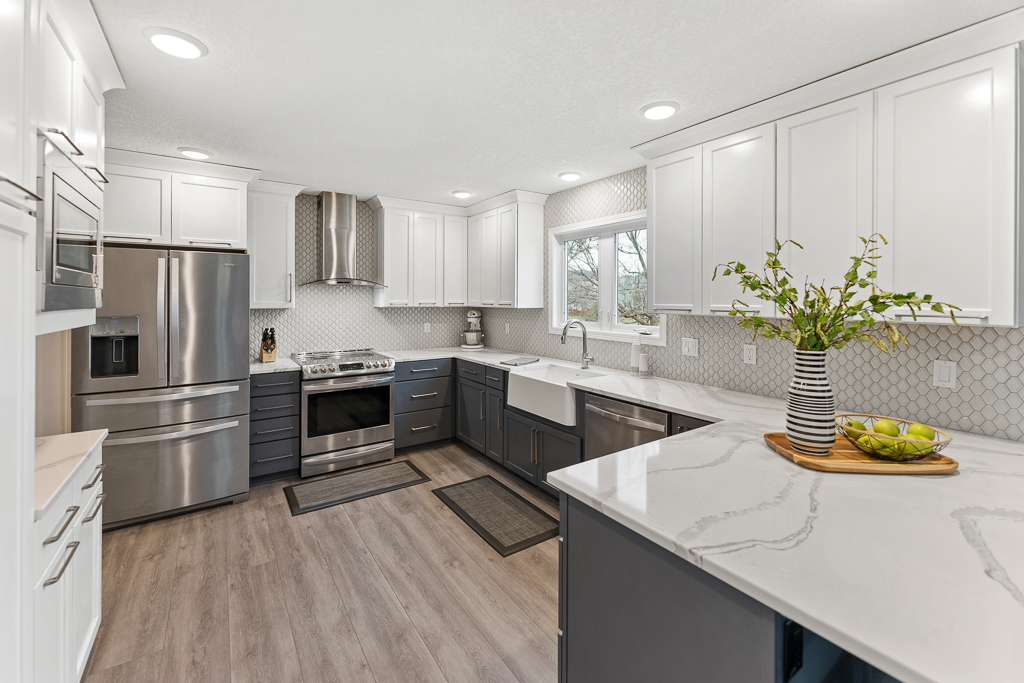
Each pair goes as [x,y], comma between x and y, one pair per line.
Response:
[155,407]
[152,471]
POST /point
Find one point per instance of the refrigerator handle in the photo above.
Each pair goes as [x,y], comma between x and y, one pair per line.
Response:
[175,322]
[161,318]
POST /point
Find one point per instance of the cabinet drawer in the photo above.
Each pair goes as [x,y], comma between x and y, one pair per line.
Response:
[273,457]
[495,378]
[88,479]
[472,371]
[423,394]
[266,407]
[56,524]
[423,369]
[262,431]
[273,383]
[424,426]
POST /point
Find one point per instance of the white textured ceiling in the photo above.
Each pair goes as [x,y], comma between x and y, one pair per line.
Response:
[417,98]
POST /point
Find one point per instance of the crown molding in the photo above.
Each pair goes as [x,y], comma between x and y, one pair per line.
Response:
[176,165]
[276,187]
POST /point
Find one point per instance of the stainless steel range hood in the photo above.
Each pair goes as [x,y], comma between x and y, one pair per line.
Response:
[336,247]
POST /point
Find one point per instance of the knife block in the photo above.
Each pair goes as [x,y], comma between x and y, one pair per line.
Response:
[266,357]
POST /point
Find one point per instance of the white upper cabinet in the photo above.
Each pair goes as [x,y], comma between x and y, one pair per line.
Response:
[490,259]
[58,63]
[947,186]
[506,254]
[271,243]
[208,211]
[137,205]
[456,260]
[824,188]
[395,240]
[674,232]
[475,255]
[739,213]
[88,131]
[14,129]
[428,259]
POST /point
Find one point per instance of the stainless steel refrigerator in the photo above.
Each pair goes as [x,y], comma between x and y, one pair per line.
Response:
[165,369]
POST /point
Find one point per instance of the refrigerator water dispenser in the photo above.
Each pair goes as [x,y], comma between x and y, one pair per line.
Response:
[114,346]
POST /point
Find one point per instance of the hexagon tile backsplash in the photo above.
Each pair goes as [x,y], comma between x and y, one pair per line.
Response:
[329,317]
[989,398]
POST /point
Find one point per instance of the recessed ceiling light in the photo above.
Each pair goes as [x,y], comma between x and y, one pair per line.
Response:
[462,194]
[175,43]
[659,110]
[194,153]
[570,176]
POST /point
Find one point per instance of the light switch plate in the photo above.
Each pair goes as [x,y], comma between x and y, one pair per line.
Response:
[507,328]
[944,374]
[426,328]
[750,354]
[690,347]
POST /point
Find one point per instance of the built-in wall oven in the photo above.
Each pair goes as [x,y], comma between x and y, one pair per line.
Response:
[347,410]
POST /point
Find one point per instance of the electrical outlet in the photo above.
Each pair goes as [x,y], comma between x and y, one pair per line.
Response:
[508,328]
[750,354]
[944,374]
[689,347]
[426,328]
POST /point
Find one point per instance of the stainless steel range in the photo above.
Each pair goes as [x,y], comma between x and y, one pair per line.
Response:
[348,418]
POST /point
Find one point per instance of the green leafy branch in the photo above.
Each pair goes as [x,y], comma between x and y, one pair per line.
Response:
[827,318]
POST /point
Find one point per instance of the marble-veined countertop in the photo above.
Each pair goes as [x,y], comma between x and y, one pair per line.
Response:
[58,459]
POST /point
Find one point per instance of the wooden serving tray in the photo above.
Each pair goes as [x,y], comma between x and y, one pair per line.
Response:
[845,457]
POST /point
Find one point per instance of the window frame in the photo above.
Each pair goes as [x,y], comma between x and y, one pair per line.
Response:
[606,327]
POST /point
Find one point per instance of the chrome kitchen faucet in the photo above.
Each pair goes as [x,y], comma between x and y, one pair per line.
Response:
[586,357]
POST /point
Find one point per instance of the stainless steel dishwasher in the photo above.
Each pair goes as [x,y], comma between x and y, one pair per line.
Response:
[612,426]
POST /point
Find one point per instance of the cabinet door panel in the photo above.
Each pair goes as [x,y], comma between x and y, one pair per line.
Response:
[428,259]
[739,213]
[86,586]
[475,268]
[674,232]
[825,202]
[490,260]
[556,451]
[397,245]
[208,211]
[520,446]
[271,251]
[456,260]
[89,122]
[137,205]
[507,255]
[58,75]
[946,185]
[52,608]
[14,132]
[471,418]
[495,425]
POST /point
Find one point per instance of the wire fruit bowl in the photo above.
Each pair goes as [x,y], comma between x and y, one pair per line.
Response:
[896,448]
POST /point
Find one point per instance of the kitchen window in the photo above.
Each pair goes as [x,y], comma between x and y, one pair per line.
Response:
[598,275]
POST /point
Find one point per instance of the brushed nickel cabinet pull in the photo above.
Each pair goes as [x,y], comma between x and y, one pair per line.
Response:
[499,413]
[483,400]
[423,395]
[74,547]
[96,477]
[418,429]
[70,512]
[290,405]
[99,503]
[282,429]
[280,457]
[275,384]
[425,370]
[471,372]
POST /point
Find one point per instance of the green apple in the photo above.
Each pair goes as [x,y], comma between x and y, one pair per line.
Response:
[921,432]
[865,443]
[855,424]
[918,449]
[886,427]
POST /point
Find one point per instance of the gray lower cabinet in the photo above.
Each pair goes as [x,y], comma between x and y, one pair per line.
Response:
[532,449]
[520,446]
[273,457]
[556,450]
[471,417]
[495,425]
[274,425]
[423,402]
[422,427]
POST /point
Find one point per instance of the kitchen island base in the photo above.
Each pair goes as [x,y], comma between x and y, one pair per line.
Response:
[631,610]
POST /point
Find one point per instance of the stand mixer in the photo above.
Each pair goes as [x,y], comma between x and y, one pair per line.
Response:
[473,338]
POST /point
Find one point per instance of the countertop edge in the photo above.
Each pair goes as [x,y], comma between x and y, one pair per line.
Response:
[101,435]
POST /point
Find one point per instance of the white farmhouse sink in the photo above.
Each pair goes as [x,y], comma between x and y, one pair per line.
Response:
[541,390]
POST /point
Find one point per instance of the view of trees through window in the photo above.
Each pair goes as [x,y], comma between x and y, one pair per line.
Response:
[582,286]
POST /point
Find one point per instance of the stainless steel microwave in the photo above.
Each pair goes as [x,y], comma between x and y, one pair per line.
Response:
[72,248]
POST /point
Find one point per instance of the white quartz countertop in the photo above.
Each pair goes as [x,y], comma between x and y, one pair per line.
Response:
[58,459]
[279,365]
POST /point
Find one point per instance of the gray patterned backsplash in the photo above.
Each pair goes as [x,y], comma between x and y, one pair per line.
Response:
[989,398]
[328,317]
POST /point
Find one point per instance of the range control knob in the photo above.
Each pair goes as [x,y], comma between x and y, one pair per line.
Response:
[331,367]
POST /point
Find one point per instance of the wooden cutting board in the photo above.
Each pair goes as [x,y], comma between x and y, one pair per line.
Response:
[845,457]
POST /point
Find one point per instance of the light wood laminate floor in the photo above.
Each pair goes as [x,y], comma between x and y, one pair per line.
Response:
[389,588]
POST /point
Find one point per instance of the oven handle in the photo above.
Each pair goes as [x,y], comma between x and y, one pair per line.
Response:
[345,455]
[345,385]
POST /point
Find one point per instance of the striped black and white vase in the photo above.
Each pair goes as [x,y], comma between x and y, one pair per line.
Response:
[810,405]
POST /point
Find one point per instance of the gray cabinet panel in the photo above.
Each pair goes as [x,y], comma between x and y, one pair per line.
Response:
[423,369]
[273,457]
[471,371]
[557,450]
[268,384]
[425,426]
[471,420]
[266,407]
[495,378]
[495,425]
[520,446]
[422,394]
[261,431]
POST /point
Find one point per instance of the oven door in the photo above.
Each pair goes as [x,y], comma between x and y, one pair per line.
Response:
[346,412]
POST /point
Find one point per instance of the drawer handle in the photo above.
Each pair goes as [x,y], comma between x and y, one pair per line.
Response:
[227,244]
[70,512]
[290,405]
[471,372]
[425,370]
[99,503]
[419,429]
[496,379]
[96,477]
[423,395]
[280,457]
[282,429]
[275,384]
[74,547]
